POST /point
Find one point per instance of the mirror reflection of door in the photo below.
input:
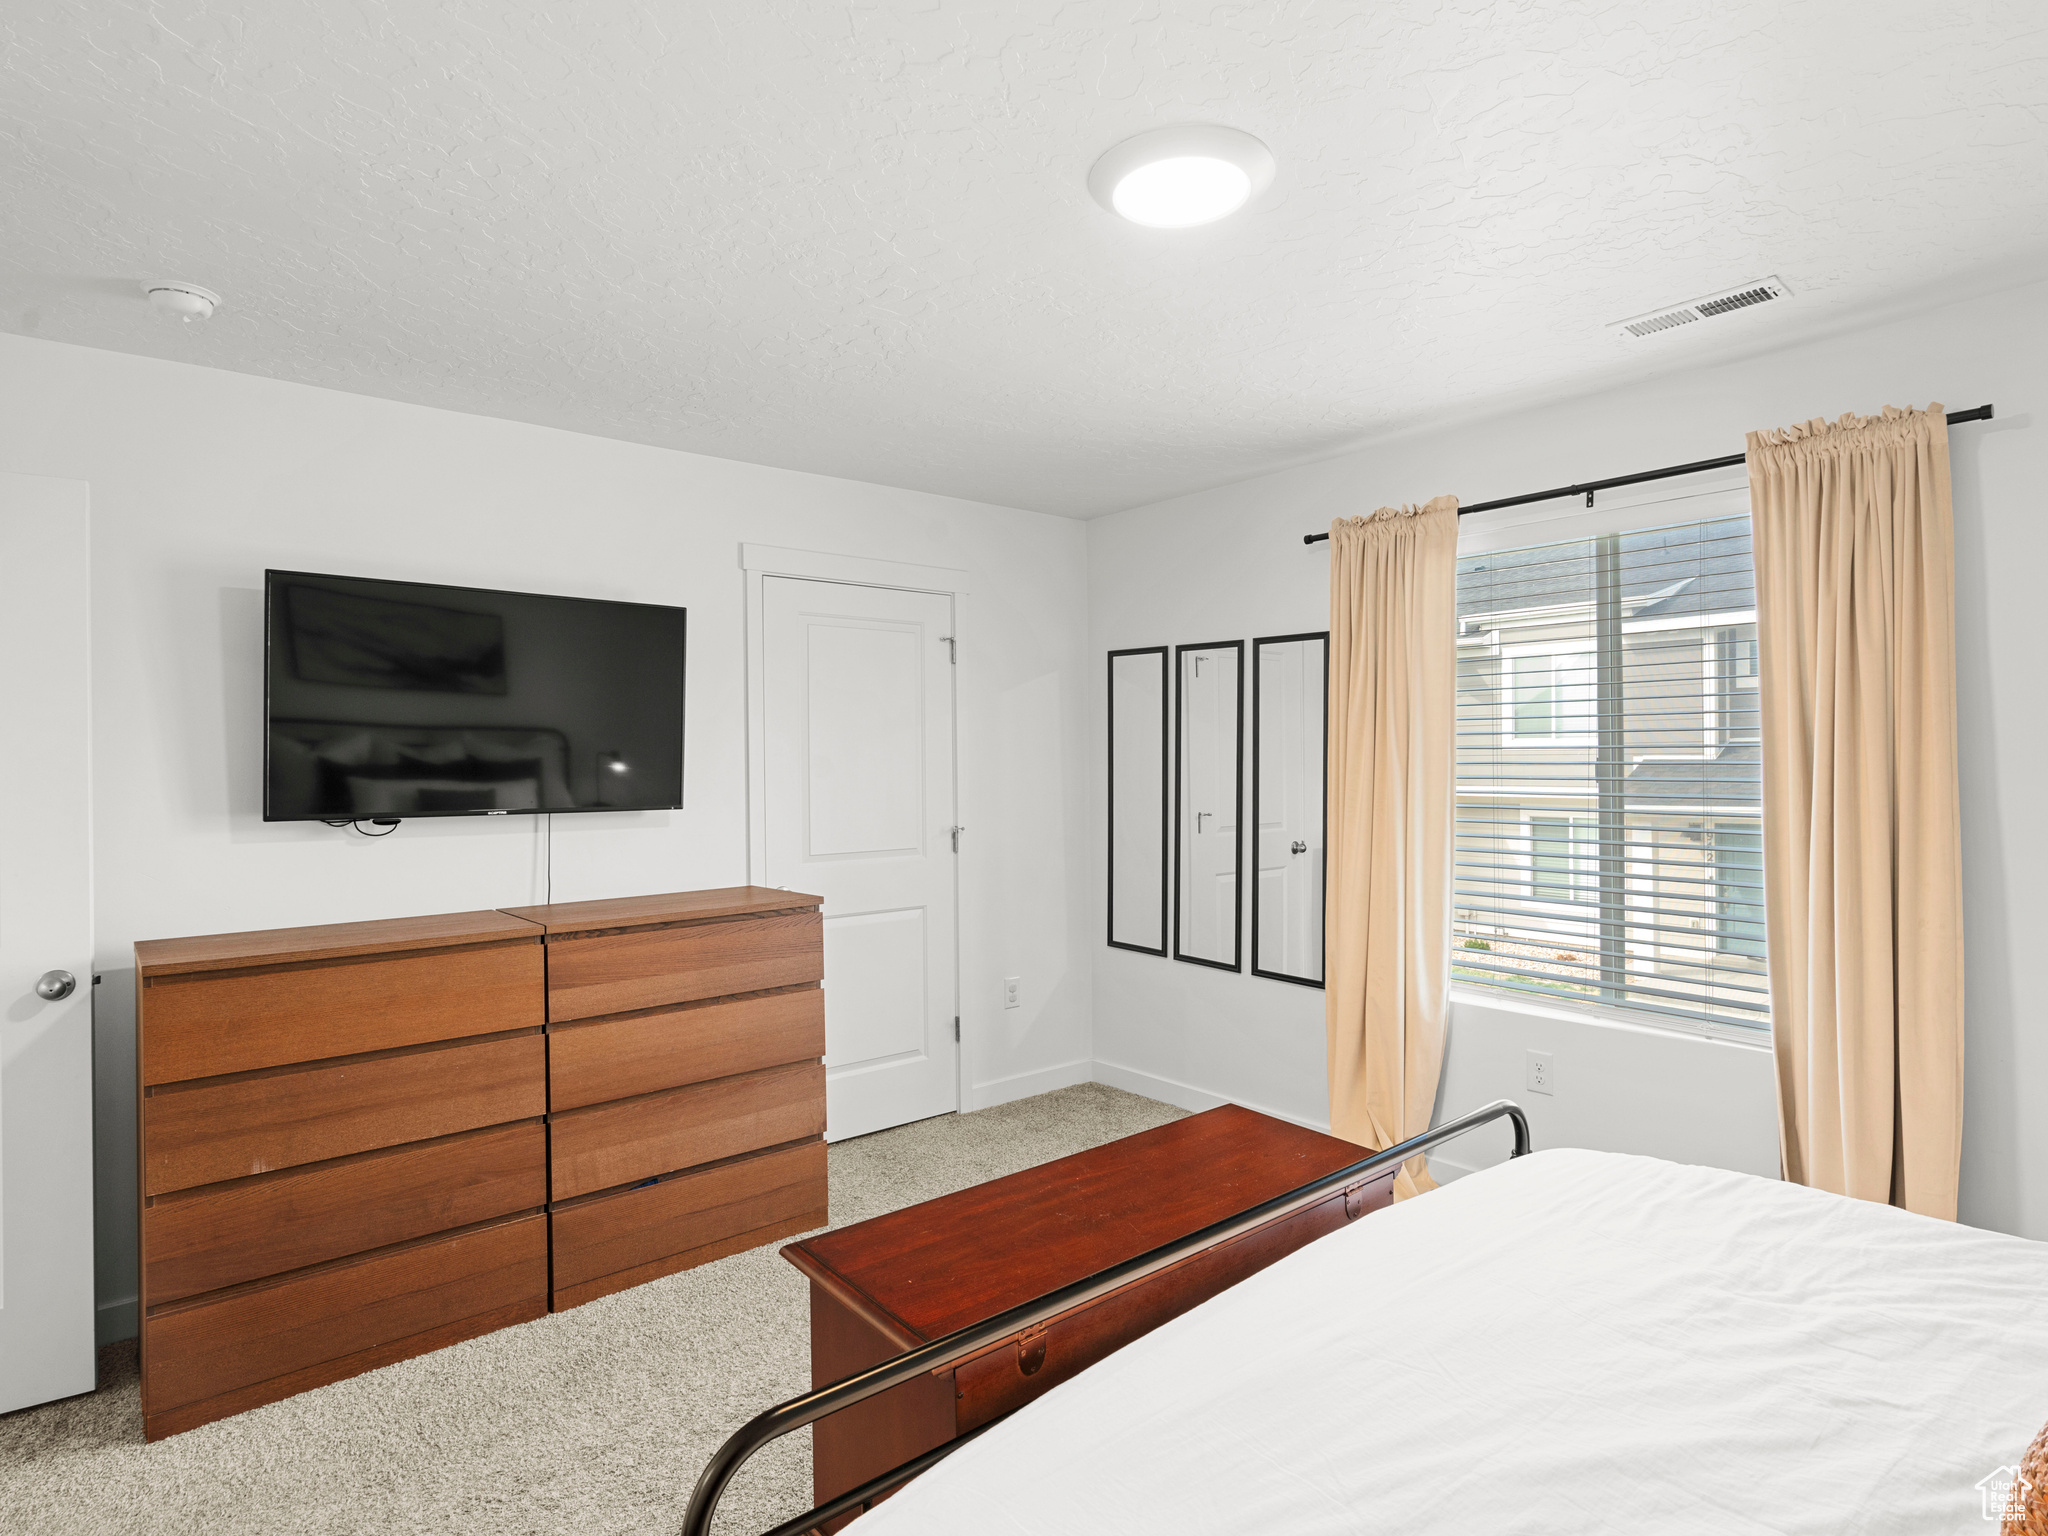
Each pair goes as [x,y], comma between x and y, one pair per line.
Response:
[1210,803]
[1290,734]
[1138,782]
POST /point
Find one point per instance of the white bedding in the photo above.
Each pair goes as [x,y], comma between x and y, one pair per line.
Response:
[1573,1342]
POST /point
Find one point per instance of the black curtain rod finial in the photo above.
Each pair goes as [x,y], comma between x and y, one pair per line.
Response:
[1698,466]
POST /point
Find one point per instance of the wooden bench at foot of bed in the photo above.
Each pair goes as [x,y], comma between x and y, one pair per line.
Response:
[883,1286]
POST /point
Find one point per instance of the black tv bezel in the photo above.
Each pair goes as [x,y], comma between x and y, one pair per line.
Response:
[270,577]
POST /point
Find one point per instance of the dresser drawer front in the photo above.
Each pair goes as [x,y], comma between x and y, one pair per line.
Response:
[992,1384]
[637,1227]
[621,1143]
[214,1347]
[645,1053]
[229,1130]
[649,967]
[213,1023]
[251,1229]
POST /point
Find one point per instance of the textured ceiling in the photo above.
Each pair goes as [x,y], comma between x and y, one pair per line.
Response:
[855,238]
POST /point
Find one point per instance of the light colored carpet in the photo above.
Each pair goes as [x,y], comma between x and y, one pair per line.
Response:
[596,1420]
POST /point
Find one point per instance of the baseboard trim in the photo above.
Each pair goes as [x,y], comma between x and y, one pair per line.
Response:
[1025,1085]
[113,1321]
[1150,1085]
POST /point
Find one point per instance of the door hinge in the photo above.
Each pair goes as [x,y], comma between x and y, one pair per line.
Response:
[956,1027]
[956,831]
[952,649]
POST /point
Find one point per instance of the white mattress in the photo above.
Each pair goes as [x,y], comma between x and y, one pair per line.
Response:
[1573,1342]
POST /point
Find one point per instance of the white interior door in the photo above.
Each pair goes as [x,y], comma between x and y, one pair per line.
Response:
[46,1279]
[857,734]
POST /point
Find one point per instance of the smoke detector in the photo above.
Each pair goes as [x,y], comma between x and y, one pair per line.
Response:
[188,301]
[1726,302]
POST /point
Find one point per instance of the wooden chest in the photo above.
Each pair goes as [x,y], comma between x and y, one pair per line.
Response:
[686,1086]
[883,1286]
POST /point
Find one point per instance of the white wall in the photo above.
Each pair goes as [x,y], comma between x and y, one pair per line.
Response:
[200,479]
[1230,562]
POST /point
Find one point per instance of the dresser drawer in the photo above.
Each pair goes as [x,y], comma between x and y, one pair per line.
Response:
[639,1234]
[252,1228]
[646,1052]
[634,1139]
[211,1348]
[601,973]
[228,1130]
[1015,1372]
[211,1023]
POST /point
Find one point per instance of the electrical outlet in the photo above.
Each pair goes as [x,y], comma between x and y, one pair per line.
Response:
[1541,1076]
[1012,992]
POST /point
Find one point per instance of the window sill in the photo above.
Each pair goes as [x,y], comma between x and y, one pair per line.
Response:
[1744,1036]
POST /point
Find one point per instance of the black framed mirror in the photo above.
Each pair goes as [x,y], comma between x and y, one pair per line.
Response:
[1290,756]
[1139,784]
[1208,896]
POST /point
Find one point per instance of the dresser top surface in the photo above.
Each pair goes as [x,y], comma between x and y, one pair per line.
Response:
[327,941]
[967,1256]
[668,907]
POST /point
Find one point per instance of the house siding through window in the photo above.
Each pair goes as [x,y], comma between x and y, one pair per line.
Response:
[1609,813]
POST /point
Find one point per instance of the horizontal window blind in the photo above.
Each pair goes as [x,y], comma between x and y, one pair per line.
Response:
[1609,813]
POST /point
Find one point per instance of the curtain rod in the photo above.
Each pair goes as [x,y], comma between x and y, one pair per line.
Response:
[1981,413]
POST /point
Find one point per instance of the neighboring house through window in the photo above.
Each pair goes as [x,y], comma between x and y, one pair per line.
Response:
[1609,812]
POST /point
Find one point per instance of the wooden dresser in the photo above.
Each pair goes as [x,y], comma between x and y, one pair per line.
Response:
[344,1161]
[686,1090]
[364,1141]
[880,1287]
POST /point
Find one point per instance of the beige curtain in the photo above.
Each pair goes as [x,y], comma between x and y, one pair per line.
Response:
[1393,692]
[1855,577]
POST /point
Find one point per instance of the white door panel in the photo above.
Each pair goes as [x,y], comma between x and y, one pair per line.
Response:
[876,969]
[46,1269]
[857,736]
[866,792]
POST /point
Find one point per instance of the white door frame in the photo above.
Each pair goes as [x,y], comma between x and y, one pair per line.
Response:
[762,560]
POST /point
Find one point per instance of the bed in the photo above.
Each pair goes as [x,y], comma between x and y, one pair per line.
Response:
[1571,1342]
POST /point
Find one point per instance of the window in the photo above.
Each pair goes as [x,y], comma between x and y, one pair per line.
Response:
[1551,695]
[1609,811]
[1732,684]
[1564,858]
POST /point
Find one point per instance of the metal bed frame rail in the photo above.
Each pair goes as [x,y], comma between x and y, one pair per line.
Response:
[823,1401]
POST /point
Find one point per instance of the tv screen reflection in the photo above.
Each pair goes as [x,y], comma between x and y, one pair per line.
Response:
[402,699]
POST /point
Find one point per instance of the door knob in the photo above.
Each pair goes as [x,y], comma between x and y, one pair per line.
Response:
[1300,847]
[52,985]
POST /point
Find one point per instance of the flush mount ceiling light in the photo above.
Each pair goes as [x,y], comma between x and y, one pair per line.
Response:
[188,301]
[1178,177]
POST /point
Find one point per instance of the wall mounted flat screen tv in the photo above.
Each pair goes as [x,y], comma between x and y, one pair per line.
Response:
[394,699]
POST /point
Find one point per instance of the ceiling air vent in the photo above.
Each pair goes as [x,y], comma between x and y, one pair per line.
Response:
[1725,302]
